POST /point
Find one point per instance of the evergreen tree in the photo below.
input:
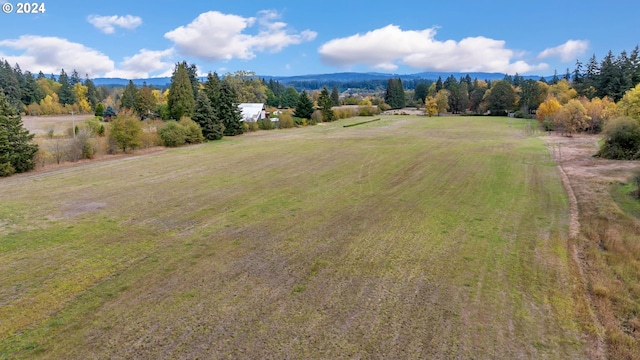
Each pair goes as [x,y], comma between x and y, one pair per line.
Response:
[17,153]
[108,113]
[335,96]
[554,79]
[10,84]
[289,97]
[529,95]
[304,108]
[180,100]
[65,93]
[92,92]
[394,95]
[206,117]
[228,110]
[31,92]
[212,89]
[74,78]
[439,85]
[325,103]
[128,99]
[192,71]
[99,109]
[610,78]
[420,92]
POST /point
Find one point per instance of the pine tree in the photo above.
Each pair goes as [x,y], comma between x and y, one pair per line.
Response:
[335,96]
[128,99]
[92,92]
[212,89]
[304,108]
[65,94]
[228,110]
[17,153]
[10,84]
[206,117]
[180,100]
[325,103]
[394,95]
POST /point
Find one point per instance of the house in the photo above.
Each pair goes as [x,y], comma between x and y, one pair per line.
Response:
[253,111]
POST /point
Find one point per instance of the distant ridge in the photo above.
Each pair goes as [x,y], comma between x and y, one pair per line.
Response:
[324,78]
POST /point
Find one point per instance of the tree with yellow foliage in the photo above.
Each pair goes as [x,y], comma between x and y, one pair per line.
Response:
[81,97]
[430,106]
[629,105]
[599,112]
[571,118]
[562,91]
[547,109]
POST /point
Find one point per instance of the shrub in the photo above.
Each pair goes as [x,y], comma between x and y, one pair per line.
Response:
[621,140]
[635,180]
[250,126]
[286,121]
[316,117]
[94,125]
[193,131]
[367,111]
[172,134]
[265,124]
[83,146]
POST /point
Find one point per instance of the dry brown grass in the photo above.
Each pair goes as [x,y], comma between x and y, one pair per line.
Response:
[608,243]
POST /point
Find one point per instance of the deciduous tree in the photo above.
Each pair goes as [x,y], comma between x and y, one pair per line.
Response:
[126,131]
[571,118]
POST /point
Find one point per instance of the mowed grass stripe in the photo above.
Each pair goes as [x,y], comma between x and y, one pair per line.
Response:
[409,237]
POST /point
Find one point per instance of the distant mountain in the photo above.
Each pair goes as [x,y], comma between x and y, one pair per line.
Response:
[326,78]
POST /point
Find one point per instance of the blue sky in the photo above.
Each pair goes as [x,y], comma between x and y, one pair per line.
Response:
[140,39]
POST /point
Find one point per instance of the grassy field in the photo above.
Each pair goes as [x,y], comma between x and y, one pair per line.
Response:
[408,237]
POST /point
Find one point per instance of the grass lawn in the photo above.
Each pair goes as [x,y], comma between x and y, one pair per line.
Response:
[408,237]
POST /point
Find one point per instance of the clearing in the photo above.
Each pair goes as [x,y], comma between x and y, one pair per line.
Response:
[409,237]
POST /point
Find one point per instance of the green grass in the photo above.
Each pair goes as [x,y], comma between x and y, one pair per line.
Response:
[409,237]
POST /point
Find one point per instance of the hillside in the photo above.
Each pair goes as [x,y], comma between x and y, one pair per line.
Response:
[325,78]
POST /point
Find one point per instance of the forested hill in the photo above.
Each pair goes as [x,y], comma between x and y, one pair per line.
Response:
[317,81]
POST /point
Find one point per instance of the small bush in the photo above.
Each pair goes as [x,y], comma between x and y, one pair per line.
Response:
[621,140]
[265,124]
[250,126]
[548,125]
[172,134]
[192,131]
[286,121]
[316,117]
[367,111]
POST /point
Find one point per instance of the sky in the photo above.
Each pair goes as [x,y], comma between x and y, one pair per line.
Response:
[137,39]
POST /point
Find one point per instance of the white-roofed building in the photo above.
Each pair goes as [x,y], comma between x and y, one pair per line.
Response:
[252,111]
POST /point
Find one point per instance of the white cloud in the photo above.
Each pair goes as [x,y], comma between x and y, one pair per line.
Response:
[568,51]
[144,64]
[384,48]
[50,54]
[107,24]
[216,36]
